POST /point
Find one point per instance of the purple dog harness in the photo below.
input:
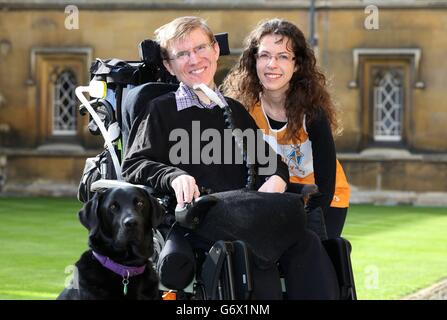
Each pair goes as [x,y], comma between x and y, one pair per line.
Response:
[124,271]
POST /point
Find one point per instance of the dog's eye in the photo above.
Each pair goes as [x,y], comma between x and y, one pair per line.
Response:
[114,206]
[140,203]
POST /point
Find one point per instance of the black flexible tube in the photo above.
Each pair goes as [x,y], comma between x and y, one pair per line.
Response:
[251,168]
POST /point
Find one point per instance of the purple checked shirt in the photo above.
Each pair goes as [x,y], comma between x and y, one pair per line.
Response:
[186,98]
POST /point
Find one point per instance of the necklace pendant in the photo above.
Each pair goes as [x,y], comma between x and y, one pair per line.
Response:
[125,289]
[125,283]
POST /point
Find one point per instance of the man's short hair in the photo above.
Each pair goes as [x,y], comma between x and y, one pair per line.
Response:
[178,29]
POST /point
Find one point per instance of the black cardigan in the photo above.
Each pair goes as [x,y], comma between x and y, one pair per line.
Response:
[147,159]
[324,160]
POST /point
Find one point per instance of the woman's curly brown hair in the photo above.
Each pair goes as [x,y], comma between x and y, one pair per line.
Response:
[307,93]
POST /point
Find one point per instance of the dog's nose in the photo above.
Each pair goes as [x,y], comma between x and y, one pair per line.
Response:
[130,222]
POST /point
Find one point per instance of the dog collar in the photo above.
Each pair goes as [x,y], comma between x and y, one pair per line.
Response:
[123,271]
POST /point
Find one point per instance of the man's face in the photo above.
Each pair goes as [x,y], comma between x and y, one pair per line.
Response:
[194,59]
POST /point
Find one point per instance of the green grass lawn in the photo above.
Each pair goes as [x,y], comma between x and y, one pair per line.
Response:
[396,250]
[39,238]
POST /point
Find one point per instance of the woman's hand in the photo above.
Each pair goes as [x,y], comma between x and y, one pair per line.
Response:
[274,184]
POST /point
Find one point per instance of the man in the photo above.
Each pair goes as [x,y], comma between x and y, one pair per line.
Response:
[190,53]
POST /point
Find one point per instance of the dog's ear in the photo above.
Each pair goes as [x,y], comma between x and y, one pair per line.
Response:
[90,218]
[158,211]
[88,215]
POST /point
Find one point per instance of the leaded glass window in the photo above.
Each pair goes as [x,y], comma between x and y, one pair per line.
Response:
[64,106]
[388,106]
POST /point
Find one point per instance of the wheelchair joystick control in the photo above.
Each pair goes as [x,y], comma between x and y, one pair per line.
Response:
[183,218]
[192,214]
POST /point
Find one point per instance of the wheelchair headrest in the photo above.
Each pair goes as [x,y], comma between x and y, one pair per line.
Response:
[149,50]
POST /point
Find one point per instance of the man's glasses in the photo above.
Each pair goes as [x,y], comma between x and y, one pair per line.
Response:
[201,50]
[265,57]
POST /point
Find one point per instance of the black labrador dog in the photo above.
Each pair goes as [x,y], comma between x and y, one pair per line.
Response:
[117,266]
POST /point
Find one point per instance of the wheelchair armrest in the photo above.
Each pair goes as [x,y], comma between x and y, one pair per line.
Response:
[107,184]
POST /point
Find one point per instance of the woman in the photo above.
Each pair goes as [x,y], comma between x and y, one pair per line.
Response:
[278,82]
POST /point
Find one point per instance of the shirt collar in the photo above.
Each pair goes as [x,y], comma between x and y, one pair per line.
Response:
[185,98]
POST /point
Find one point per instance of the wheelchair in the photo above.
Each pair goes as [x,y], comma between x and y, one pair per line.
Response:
[219,268]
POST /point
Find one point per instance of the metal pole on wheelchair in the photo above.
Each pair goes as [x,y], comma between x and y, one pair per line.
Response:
[98,89]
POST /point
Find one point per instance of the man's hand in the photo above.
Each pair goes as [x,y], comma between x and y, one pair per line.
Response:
[274,184]
[185,188]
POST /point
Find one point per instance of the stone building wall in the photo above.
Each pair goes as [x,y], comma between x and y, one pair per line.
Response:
[411,34]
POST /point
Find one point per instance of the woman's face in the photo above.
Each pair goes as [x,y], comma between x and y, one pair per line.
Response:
[275,63]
